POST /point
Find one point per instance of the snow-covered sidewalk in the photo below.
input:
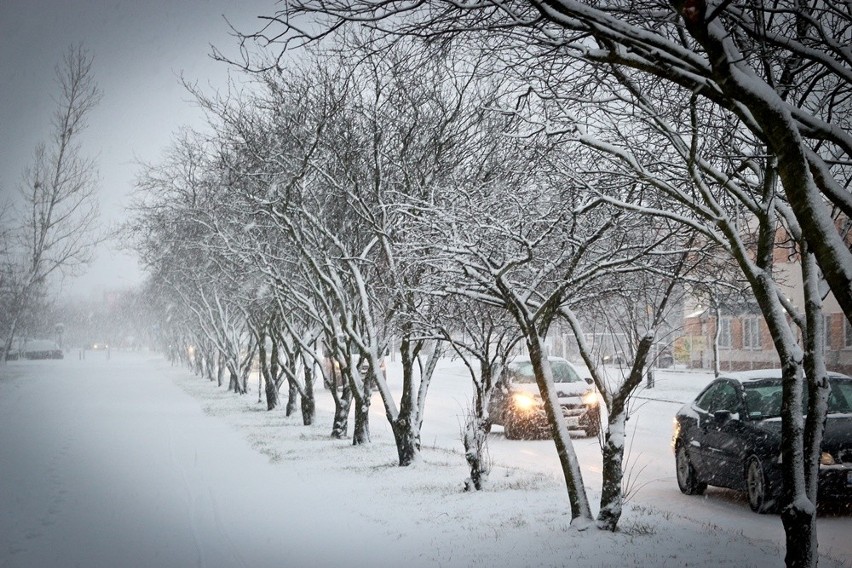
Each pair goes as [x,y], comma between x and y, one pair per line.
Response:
[130,462]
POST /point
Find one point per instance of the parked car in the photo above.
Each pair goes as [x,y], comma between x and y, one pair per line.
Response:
[730,436]
[516,403]
[332,372]
[40,349]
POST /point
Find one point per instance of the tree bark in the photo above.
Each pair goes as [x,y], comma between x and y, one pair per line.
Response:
[292,396]
[308,400]
[612,497]
[342,403]
[577,497]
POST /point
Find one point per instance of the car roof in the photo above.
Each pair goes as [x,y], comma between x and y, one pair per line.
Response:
[763,374]
[526,359]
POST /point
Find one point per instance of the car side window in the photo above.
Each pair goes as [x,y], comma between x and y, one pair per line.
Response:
[729,398]
[720,396]
[706,400]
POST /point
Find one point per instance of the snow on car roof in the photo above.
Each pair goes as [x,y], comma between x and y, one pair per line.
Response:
[526,358]
[762,374]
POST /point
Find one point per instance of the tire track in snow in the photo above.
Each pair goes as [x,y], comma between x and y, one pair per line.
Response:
[201,503]
[189,500]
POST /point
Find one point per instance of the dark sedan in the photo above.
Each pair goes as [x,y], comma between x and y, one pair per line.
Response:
[730,436]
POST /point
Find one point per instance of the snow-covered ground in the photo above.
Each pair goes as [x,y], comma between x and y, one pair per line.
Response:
[127,461]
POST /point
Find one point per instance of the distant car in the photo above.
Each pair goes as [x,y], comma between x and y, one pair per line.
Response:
[516,403]
[100,346]
[40,349]
[332,374]
[730,436]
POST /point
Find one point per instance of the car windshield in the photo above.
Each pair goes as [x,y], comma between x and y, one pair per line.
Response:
[563,372]
[763,398]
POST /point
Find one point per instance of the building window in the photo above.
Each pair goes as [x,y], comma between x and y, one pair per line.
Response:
[751,333]
[724,333]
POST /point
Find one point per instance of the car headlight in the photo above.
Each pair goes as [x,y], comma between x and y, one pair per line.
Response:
[590,398]
[524,402]
[826,458]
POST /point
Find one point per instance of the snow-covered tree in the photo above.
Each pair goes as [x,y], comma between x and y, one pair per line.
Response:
[53,229]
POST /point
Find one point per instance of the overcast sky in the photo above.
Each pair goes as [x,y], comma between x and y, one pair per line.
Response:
[140,48]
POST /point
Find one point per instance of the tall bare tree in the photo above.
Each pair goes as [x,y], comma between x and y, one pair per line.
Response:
[54,228]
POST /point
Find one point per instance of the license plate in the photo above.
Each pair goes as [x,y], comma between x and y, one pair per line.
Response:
[574,421]
[849,478]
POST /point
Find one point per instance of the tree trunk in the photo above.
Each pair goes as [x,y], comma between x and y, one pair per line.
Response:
[612,498]
[209,364]
[271,392]
[361,432]
[476,430]
[404,426]
[476,451]
[292,396]
[197,365]
[234,382]
[220,370]
[577,497]
[308,400]
[342,402]
[801,538]
[10,338]
[407,441]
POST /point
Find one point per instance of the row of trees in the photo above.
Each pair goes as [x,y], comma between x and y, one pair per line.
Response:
[769,79]
[356,204]
[574,163]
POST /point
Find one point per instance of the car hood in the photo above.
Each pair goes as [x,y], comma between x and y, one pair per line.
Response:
[563,390]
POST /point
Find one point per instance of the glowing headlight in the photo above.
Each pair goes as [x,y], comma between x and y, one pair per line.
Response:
[826,458]
[524,401]
[590,398]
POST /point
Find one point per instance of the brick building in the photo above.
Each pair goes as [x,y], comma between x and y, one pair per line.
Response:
[744,340]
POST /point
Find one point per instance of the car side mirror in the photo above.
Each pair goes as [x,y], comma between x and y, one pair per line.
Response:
[590,381]
[722,416]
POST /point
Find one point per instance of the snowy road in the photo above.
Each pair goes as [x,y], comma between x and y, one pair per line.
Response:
[104,464]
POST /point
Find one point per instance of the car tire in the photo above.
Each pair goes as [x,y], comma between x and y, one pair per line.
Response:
[757,488]
[687,480]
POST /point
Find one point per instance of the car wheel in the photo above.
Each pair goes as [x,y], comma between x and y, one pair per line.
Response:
[687,481]
[757,488]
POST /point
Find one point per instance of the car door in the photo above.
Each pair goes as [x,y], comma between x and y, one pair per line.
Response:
[723,436]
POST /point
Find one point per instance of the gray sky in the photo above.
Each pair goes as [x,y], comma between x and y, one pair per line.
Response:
[141,48]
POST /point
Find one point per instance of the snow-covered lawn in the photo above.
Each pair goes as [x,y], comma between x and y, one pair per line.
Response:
[131,462]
